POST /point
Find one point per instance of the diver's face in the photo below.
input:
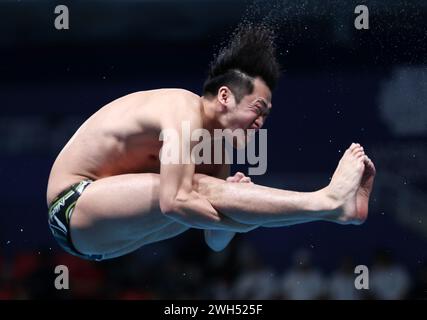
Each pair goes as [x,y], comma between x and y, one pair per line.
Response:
[254,108]
[251,112]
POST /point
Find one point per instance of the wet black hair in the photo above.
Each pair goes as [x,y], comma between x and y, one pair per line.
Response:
[250,53]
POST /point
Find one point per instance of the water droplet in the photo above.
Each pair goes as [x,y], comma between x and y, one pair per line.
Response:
[22,230]
[8,241]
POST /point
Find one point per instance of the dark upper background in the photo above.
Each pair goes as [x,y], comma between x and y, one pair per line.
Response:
[339,85]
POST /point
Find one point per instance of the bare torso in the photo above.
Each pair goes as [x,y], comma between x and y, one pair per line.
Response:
[122,137]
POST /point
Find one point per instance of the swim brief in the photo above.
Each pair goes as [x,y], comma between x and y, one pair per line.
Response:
[60,212]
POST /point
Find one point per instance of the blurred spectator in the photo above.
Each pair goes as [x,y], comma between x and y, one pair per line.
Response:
[221,269]
[389,280]
[7,291]
[255,282]
[341,285]
[302,281]
[38,283]
[87,278]
[219,289]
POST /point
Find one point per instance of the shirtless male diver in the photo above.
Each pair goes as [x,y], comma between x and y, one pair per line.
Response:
[109,194]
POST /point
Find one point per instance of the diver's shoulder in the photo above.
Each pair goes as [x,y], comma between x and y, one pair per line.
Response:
[170,91]
[165,92]
[181,104]
[183,99]
[184,93]
[176,95]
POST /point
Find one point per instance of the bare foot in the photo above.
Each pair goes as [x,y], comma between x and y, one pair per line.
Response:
[364,191]
[344,186]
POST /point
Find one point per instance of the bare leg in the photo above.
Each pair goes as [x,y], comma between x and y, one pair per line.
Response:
[119,214]
[286,223]
[169,231]
[362,198]
[258,205]
[116,215]
[219,239]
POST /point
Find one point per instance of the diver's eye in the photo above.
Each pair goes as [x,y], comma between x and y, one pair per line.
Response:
[258,109]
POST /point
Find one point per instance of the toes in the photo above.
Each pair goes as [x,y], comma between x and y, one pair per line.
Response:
[230,179]
[370,164]
[353,146]
[245,180]
[357,148]
[359,153]
[360,165]
[368,161]
[237,177]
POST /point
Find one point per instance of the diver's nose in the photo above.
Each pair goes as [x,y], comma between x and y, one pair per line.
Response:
[259,123]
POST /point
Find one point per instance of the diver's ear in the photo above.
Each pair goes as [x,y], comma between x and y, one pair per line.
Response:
[225,97]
